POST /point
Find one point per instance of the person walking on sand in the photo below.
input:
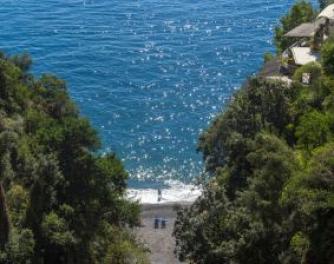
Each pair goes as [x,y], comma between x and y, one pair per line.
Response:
[159,195]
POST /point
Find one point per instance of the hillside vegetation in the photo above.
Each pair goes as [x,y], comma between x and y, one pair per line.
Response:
[60,201]
[271,156]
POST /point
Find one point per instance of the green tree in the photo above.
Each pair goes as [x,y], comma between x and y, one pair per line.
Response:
[327,56]
[23,61]
[311,194]
[259,105]
[57,194]
[301,12]
[250,229]
[313,130]
[270,157]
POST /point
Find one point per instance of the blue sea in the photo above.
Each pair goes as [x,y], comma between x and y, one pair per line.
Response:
[149,74]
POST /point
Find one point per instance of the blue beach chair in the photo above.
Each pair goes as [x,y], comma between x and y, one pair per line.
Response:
[156,222]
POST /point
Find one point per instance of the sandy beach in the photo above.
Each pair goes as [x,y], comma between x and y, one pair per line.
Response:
[159,241]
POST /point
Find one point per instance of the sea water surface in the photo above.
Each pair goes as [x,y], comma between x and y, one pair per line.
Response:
[149,74]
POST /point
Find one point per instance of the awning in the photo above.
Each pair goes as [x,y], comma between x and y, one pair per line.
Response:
[328,12]
[304,55]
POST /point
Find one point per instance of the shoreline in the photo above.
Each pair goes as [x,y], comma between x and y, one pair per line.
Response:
[175,192]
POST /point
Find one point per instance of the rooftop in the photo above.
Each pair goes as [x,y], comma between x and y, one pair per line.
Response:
[306,29]
[303,30]
[304,55]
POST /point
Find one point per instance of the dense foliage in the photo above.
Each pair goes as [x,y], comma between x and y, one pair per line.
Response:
[60,201]
[271,156]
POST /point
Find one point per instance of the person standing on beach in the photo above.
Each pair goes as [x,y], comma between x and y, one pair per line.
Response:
[159,195]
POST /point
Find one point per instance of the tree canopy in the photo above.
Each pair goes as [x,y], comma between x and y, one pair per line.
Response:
[270,157]
[60,200]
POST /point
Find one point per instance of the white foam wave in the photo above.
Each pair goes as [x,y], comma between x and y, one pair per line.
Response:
[174,193]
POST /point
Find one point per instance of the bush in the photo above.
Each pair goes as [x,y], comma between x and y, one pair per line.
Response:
[327,56]
[313,68]
[313,130]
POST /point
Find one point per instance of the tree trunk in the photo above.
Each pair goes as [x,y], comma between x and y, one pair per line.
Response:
[4,219]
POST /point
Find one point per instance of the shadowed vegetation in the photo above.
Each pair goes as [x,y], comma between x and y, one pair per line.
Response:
[60,201]
[270,154]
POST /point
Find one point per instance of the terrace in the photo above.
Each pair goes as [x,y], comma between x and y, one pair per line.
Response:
[308,39]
